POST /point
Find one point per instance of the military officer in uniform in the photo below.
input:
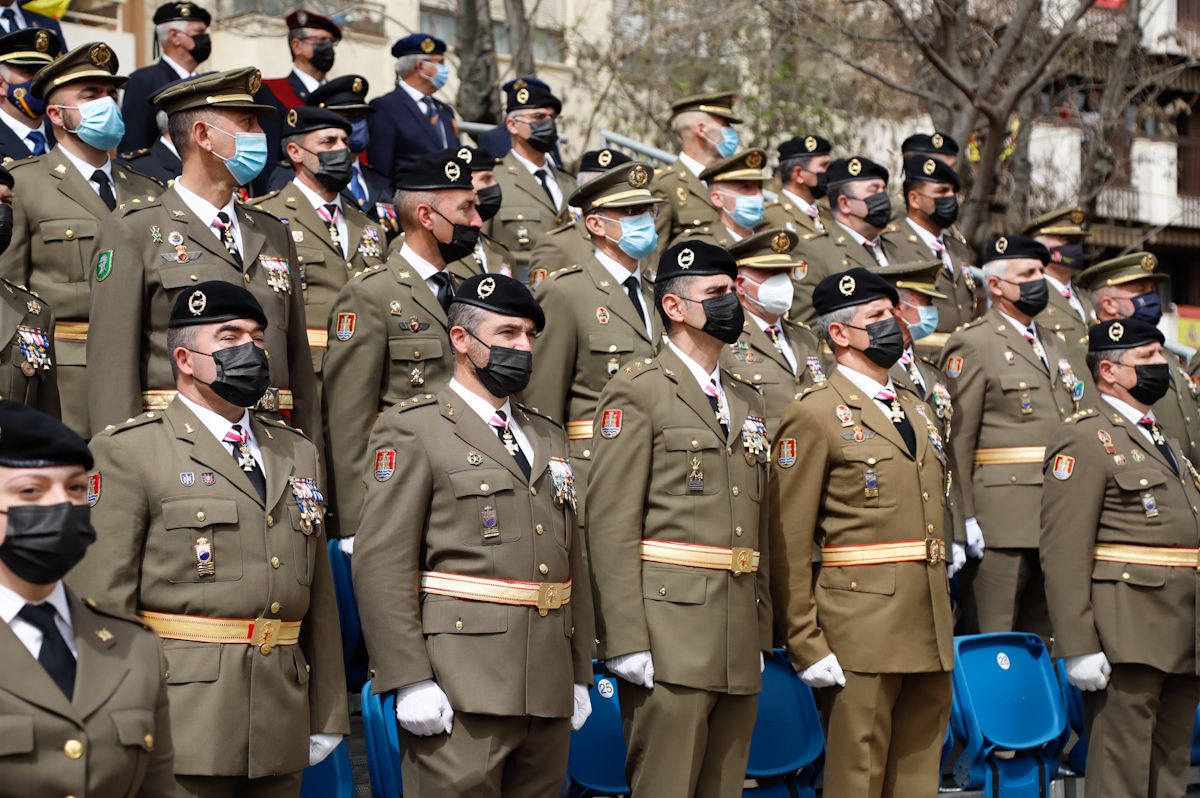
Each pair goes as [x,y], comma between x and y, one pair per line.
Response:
[333,238]
[64,199]
[81,687]
[489,654]
[153,250]
[735,189]
[535,190]
[705,125]
[1126,287]
[25,130]
[1012,385]
[860,474]
[1119,546]
[926,231]
[1069,313]
[599,312]
[388,328]
[803,161]
[210,524]
[778,356]
[570,244]
[680,563]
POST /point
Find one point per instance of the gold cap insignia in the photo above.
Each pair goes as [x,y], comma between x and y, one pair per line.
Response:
[197,302]
[1116,332]
[486,286]
[854,167]
[638,176]
[522,95]
[41,42]
[1149,262]
[357,86]
[928,166]
[185,11]
[427,45]
[604,158]
[100,55]
[937,140]
[685,258]
[810,144]
[1001,245]
[452,171]
[847,285]
[293,117]
[780,243]
[302,18]
[1077,216]
[254,82]
[464,154]
[755,159]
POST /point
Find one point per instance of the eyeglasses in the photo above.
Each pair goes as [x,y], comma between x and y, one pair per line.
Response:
[538,117]
[320,40]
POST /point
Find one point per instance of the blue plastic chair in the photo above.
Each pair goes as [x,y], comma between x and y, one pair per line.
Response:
[383,743]
[1009,701]
[1073,698]
[330,779]
[787,734]
[1196,740]
[596,762]
[354,649]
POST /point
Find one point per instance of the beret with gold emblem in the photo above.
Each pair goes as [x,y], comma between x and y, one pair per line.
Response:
[695,258]
[1015,247]
[345,93]
[500,294]
[525,94]
[214,301]
[917,275]
[930,144]
[435,172]
[744,165]
[92,61]
[930,170]
[1115,271]
[1058,222]
[232,89]
[625,186]
[1122,334]
[804,146]
[32,439]
[29,48]
[303,119]
[602,160]
[181,12]
[418,44]
[851,288]
[845,170]
[718,104]
[301,18]
[478,158]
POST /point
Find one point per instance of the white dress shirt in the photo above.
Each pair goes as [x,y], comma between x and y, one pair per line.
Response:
[22,130]
[220,426]
[691,164]
[87,170]
[548,168]
[621,274]
[876,248]
[319,202]
[936,244]
[180,71]
[208,212]
[485,410]
[30,636]
[806,207]
[1131,415]
[704,378]
[311,84]
[1068,293]
[424,269]
[871,388]
[784,348]
[21,21]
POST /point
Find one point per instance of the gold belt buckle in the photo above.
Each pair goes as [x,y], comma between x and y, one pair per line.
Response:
[741,561]
[266,633]
[549,597]
[935,550]
[269,401]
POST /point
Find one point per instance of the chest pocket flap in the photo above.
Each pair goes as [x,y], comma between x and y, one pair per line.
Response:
[309,255]
[1142,479]
[609,342]
[415,348]
[868,455]
[689,439]
[135,726]
[523,214]
[480,482]
[187,513]
[1019,382]
[67,229]
[182,275]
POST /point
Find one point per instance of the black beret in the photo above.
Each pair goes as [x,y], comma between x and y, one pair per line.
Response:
[501,294]
[843,170]
[804,146]
[479,159]
[1015,248]
[215,301]
[345,93]
[181,12]
[6,178]
[305,119]
[936,143]
[418,44]
[930,170]
[1122,334]
[850,288]
[307,19]
[524,94]
[32,439]
[695,258]
[29,47]
[602,160]
[434,172]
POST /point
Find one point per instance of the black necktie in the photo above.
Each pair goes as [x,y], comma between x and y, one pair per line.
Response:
[1160,441]
[10,20]
[55,656]
[240,441]
[432,115]
[445,290]
[106,194]
[714,399]
[226,226]
[542,178]
[900,419]
[39,141]
[633,288]
[500,424]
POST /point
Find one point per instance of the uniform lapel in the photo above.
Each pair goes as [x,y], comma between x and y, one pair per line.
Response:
[199,232]
[1139,440]
[869,413]
[74,185]
[541,443]
[1015,341]
[739,408]
[23,676]
[304,213]
[855,252]
[100,675]
[476,433]
[407,274]
[618,301]
[760,341]
[12,313]
[206,449]
[415,110]
[909,401]
[277,464]
[253,239]
[524,180]
[689,391]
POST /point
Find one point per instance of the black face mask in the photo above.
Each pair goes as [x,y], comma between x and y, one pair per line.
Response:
[334,168]
[43,543]
[723,317]
[463,239]
[1068,255]
[243,374]
[322,57]
[543,135]
[885,342]
[487,201]
[1035,295]
[1153,382]
[6,226]
[822,186]
[945,211]
[879,209]
[507,370]
[201,47]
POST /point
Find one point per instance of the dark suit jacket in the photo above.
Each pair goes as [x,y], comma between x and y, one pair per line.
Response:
[156,161]
[140,130]
[15,148]
[36,20]
[401,133]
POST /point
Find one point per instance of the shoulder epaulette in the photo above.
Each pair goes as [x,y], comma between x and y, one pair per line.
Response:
[564,271]
[134,153]
[22,161]
[275,422]
[817,386]
[405,405]
[640,367]
[533,411]
[1082,414]
[149,417]
[263,198]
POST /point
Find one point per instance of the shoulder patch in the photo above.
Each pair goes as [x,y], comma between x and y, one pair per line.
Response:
[1063,467]
[263,198]
[954,366]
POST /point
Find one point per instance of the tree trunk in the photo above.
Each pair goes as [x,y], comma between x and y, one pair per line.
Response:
[477,99]
[1020,170]
[520,37]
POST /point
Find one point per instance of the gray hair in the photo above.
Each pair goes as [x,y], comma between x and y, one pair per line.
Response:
[1094,359]
[178,337]
[995,268]
[406,64]
[179,126]
[840,316]
[162,31]
[673,285]
[469,317]
[161,121]
[407,202]
[684,124]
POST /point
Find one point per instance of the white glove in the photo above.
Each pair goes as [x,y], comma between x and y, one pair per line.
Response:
[320,746]
[346,544]
[636,668]
[826,672]
[957,561]
[1089,672]
[583,707]
[762,663]
[974,539]
[423,709]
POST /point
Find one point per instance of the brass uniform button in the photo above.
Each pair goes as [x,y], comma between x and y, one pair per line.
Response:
[532,490]
[854,585]
[148,741]
[541,530]
[276,607]
[270,521]
[734,490]
[738,531]
[662,591]
[1125,575]
[543,569]
[264,649]
[458,625]
[484,486]
[73,749]
[200,516]
[275,562]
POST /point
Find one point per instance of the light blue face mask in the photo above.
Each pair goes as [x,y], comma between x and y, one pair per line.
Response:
[440,76]
[729,142]
[639,237]
[927,322]
[249,155]
[100,123]
[748,212]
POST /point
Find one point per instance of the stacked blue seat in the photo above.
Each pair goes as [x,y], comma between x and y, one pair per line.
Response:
[596,762]
[383,743]
[787,744]
[354,649]
[332,778]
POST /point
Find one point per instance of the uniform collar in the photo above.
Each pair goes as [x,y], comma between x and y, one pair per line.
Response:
[702,377]
[618,271]
[1131,413]
[11,603]
[202,207]
[482,407]
[547,166]
[925,235]
[691,164]
[86,169]
[215,423]
[424,268]
[855,235]
[316,199]
[1018,326]
[310,83]
[868,386]
[804,205]
[180,71]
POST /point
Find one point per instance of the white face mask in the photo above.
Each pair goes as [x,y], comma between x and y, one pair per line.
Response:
[775,293]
